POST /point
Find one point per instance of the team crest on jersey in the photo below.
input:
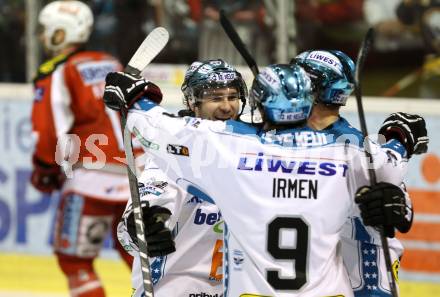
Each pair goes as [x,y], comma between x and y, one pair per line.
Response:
[154,188]
[38,94]
[179,150]
[238,258]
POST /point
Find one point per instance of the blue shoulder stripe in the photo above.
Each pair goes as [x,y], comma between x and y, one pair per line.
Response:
[240,127]
[144,104]
[396,146]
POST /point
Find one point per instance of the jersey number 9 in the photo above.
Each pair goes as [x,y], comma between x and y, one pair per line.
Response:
[298,254]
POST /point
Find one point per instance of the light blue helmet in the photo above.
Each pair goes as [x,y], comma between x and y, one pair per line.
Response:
[332,74]
[284,92]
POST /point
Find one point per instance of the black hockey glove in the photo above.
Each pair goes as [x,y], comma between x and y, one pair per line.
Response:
[122,90]
[409,129]
[159,239]
[384,205]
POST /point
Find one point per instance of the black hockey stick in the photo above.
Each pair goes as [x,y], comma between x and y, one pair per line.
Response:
[237,42]
[363,52]
[147,51]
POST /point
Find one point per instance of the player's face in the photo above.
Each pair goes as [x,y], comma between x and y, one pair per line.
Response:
[218,104]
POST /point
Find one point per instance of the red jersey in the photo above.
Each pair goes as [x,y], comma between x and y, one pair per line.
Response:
[68,100]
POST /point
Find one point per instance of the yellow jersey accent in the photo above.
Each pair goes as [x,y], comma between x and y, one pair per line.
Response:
[395,269]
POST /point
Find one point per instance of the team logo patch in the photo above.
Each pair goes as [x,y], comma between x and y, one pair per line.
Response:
[96,232]
[154,188]
[222,76]
[145,142]
[238,258]
[38,93]
[179,150]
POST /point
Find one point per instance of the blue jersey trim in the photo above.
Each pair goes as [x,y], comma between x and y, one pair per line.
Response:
[361,233]
[240,128]
[144,104]
[368,257]
[396,146]
[225,260]
[338,132]
[199,194]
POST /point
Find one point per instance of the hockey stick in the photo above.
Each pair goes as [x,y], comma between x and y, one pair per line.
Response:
[237,42]
[403,83]
[147,51]
[363,51]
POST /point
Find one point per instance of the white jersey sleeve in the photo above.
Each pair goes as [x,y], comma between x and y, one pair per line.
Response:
[285,206]
[196,265]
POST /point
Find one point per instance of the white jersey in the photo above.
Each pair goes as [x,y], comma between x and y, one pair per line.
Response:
[285,205]
[196,266]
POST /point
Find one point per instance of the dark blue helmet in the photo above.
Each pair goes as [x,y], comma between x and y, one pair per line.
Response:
[332,74]
[284,92]
[211,74]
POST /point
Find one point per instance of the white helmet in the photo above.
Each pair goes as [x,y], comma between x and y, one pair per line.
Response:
[74,17]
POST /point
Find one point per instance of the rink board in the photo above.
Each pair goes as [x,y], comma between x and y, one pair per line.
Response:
[26,217]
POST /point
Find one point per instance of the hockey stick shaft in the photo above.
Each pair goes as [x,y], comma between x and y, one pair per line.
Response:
[238,43]
[365,47]
[150,48]
[403,83]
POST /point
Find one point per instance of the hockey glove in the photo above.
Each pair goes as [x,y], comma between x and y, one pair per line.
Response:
[159,239]
[46,178]
[122,90]
[408,129]
[384,205]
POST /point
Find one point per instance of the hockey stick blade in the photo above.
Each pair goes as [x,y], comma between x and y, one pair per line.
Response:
[148,50]
[237,42]
[362,55]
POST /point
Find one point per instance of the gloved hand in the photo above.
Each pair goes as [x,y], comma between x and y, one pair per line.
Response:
[122,90]
[409,130]
[159,239]
[45,177]
[384,205]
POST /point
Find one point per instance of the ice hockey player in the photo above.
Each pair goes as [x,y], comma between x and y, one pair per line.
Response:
[68,112]
[383,205]
[212,90]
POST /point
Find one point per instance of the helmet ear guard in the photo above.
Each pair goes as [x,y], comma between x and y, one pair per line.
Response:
[332,74]
[74,18]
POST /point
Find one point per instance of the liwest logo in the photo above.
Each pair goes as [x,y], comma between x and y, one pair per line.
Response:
[326,58]
[206,218]
[277,164]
